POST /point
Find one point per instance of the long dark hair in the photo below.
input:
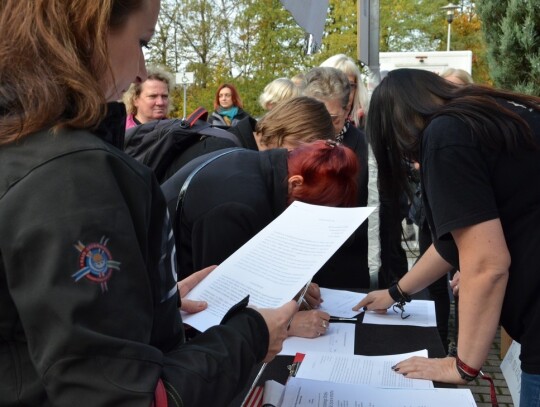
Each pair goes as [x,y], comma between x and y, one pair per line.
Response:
[405,102]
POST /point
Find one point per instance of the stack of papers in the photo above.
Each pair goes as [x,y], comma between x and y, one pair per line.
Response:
[332,379]
[313,393]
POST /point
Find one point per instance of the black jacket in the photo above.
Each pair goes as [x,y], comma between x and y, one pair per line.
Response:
[348,267]
[88,299]
[227,202]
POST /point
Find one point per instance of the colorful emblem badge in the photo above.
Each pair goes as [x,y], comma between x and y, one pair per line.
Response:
[95,263]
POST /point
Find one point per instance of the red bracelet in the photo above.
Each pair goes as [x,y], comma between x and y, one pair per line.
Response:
[470,373]
[465,371]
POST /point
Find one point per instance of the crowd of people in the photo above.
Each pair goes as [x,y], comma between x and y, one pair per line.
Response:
[96,256]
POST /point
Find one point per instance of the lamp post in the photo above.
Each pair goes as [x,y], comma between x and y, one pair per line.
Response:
[449,17]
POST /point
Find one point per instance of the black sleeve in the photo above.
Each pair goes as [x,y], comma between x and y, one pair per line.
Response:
[213,368]
[456,177]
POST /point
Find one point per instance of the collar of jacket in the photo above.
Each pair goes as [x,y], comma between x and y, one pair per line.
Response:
[275,169]
[113,127]
[244,129]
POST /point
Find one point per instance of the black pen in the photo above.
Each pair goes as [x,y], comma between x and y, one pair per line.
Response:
[343,319]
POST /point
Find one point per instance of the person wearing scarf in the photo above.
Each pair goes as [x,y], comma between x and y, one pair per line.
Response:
[227,107]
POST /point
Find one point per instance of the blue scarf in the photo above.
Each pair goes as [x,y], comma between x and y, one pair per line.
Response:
[230,113]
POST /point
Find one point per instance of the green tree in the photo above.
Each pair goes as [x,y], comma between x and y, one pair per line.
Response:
[511,29]
[272,47]
[245,42]
[411,25]
[340,31]
[467,35]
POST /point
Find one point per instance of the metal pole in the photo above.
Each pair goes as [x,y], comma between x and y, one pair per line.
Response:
[448,41]
[185,99]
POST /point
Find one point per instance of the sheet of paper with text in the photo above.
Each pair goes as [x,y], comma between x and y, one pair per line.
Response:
[275,264]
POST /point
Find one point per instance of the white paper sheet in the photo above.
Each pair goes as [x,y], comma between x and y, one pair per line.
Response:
[273,393]
[511,370]
[275,264]
[339,338]
[339,303]
[422,313]
[357,369]
[304,392]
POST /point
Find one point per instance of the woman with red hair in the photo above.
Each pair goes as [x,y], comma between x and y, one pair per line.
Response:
[227,106]
[234,195]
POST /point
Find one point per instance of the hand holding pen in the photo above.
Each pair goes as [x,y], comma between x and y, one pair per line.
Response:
[312,298]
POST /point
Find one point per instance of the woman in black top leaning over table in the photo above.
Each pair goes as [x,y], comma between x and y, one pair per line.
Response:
[479,155]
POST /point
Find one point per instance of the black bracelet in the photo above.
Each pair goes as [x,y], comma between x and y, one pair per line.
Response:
[404,295]
[398,295]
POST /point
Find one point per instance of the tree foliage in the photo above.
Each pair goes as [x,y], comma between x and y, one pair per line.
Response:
[512,32]
[251,42]
[407,25]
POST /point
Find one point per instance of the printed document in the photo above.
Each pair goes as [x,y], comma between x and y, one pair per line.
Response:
[356,369]
[275,264]
[339,337]
[421,313]
[313,393]
[511,370]
[339,303]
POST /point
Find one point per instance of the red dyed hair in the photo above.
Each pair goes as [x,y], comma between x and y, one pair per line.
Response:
[235,96]
[330,173]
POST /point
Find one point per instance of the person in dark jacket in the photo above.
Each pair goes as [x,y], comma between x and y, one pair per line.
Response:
[238,192]
[228,107]
[348,267]
[88,290]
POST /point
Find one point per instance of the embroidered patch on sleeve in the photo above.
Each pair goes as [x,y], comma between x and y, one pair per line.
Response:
[95,263]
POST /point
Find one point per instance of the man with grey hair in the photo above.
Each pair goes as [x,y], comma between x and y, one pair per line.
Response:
[348,267]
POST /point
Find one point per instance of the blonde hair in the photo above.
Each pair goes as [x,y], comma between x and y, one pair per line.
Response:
[461,74]
[347,65]
[299,80]
[278,90]
[295,121]
[156,73]
[53,74]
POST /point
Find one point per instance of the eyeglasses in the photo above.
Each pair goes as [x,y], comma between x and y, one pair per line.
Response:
[337,116]
[401,308]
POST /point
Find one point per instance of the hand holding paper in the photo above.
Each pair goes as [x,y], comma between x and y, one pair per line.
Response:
[274,265]
[277,321]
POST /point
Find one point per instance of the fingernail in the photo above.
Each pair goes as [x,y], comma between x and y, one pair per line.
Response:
[364,309]
[393,367]
[404,374]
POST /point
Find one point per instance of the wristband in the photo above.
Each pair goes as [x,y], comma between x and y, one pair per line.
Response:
[465,371]
[468,374]
[398,295]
